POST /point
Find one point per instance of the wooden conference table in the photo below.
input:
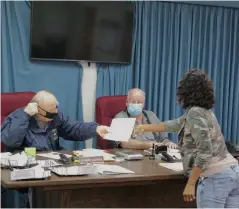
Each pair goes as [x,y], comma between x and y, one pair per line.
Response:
[151,186]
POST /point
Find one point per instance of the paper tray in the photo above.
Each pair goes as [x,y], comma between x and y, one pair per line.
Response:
[29,174]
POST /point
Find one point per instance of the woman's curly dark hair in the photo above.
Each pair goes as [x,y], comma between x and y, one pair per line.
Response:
[196,89]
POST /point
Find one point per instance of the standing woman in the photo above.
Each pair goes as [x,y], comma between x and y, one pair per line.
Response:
[202,146]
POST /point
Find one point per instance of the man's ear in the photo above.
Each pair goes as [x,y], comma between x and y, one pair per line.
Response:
[143,105]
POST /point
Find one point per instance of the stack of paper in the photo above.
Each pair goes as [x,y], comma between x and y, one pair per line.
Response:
[178,166]
[31,173]
[121,129]
[113,170]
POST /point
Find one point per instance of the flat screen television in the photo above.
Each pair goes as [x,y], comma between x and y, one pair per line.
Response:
[93,31]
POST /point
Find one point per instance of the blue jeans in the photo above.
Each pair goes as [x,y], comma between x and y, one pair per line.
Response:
[220,190]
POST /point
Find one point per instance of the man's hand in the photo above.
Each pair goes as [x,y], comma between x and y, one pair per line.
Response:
[171,145]
[189,193]
[103,130]
[31,109]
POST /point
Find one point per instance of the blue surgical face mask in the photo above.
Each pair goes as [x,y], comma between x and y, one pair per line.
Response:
[135,109]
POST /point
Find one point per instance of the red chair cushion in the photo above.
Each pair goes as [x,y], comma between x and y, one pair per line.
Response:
[106,109]
[12,101]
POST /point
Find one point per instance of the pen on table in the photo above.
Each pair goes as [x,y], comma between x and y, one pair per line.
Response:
[175,157]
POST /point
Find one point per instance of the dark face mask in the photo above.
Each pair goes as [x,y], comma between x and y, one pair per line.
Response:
[48,115]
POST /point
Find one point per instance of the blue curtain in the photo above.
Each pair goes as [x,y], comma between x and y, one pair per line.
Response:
[20,74]
[113,79]
[171,38]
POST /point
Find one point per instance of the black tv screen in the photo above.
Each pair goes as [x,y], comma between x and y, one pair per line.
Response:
[94,31]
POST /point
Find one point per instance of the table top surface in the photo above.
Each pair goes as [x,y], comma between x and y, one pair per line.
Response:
[146,170]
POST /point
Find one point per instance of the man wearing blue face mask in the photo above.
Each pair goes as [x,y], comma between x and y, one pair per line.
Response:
[135,104]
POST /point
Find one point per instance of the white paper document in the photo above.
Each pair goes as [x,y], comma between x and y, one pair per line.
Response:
[113,170]
[52,155]
[121,129]
[178,166]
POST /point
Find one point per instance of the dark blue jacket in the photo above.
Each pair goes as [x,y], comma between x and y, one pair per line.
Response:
[20,130]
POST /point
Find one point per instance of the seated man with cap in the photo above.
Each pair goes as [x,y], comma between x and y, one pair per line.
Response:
[135,104]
